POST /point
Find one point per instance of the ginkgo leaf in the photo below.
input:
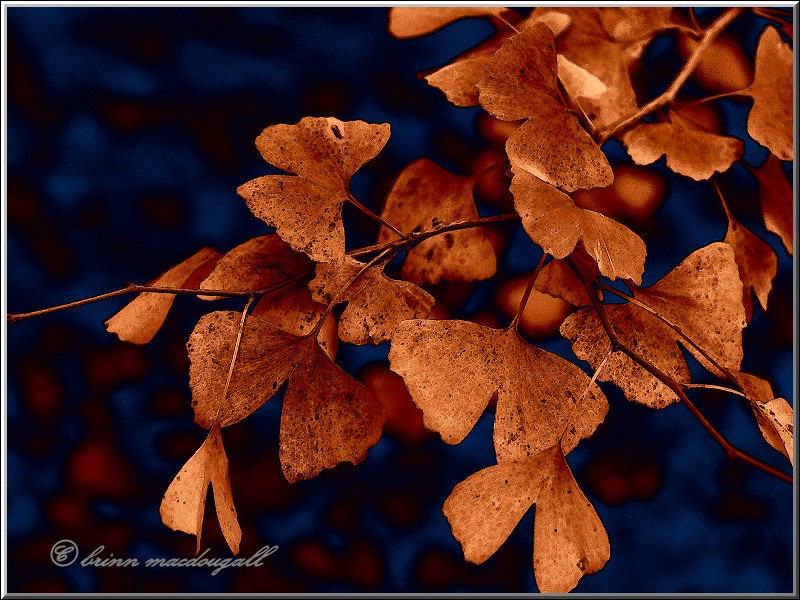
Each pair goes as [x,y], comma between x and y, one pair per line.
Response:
[551,220]
[629,24]
[322,153]
[770,121]
[701,297]
[559,280]
[425,194]
[255,265]
[579,82]
[689,149]
[184,502]
[757,261]
[774,416]
[777,205]
[520,82]
[139,320]
[569,539]
[376,303]
[327,416]
[415,21]
[452,369]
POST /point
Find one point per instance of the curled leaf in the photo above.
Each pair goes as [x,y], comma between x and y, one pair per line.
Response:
[184,502]
[139,320]
[551,220]
[305,208]
[376,303]
[423,195]
[689,149]
[770,121]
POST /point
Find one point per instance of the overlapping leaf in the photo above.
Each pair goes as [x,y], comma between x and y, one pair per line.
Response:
[770,121]
[328,417]
[689,149]
[424,195]
[376,303]
[777,205]
[551,220]
[139,320]
[775,416]
[322,154]
[757,262]
[701,298]
[183,505]
[520,82]
[452,369]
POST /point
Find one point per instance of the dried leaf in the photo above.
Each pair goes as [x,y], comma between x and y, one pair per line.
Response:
[579,82]
[569,538]
[758,263]
[255,265]
[184,502]
[376,303]
[327,417]
[305,208]
[689,149]
[416,21]
[775,416]
[452,369]
[139,320]
[777,206]
[559,280]
[701,297]
[424,195]
[770,121]
[551,220]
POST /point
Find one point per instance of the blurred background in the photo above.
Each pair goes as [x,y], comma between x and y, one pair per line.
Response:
[128,131]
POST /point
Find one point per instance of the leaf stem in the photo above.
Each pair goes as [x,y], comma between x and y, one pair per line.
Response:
[233,357]
[524,301]
[668,96]
[731,451]
[374,216]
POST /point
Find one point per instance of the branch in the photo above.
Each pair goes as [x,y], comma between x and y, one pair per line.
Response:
[731,451]
[672,91]
[524,301]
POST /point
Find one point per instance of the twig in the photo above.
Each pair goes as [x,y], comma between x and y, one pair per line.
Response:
[524,301]
[672,91]
[731,451]
[374,216]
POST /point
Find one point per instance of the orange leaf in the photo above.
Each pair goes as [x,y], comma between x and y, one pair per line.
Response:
[690,150]
[139,320]
[452,368]
[777,205]
[557,279]
[305,208]
[552,221]
[424,192]
[770,121]
[416,21]
[774,416]
[376,303]
[757,263]
[255,265]
[184,502]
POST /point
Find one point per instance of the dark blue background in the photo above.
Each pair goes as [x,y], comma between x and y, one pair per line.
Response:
[129,130]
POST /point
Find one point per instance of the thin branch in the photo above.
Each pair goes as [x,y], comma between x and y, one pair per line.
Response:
[731,451]
[234,356]
[672,91]
[715,97]
[693,18]
[710,386]
[376,217]
[524,301]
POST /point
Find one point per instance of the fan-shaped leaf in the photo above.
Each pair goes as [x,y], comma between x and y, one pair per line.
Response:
[690,150]
[139,320]
[184,502]
[425,194]
[305,208]
[551,220]
[770,121]
[775,416]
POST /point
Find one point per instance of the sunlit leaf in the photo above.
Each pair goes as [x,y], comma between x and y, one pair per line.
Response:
[551,220]
[770,121]
[424,195]
[689,149]
[139,320]
[184,502]
[579,82]
[376,303]
[322,153]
